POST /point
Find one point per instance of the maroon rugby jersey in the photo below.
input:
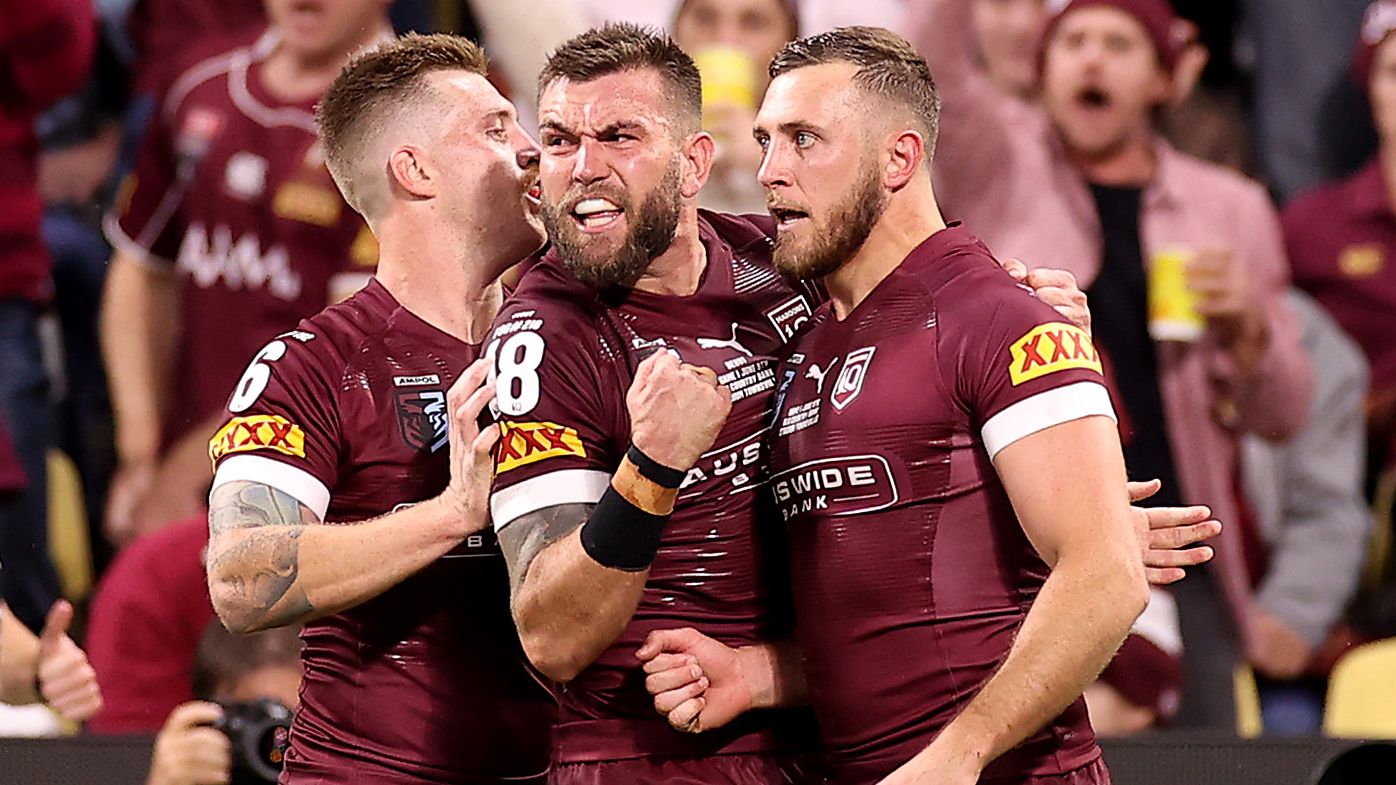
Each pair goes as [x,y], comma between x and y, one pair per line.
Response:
[911,574]
[231,191]
[426,683]
[565,357]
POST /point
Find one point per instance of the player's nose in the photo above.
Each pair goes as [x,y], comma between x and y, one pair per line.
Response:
[588,165]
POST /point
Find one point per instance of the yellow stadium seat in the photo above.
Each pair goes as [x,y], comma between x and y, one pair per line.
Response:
[1362,693]
[1248,722]
[68,542]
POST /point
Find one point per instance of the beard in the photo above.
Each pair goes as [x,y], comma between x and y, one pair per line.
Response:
[649,233]
[834,241]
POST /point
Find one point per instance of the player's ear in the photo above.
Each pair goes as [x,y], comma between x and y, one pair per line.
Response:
[906,151]
[408,171]
[698,153]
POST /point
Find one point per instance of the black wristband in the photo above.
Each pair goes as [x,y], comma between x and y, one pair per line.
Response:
[620,535]
[654,471]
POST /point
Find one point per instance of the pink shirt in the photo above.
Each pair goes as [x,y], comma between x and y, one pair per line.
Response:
[1001,167]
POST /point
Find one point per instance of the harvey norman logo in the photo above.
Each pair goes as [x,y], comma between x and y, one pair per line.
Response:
[850,485]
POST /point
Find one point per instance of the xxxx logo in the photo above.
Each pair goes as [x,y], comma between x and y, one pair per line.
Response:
[259,432]
[1049,348]
[529,442]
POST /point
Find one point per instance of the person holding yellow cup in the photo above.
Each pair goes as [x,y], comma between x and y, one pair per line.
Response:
[731,41]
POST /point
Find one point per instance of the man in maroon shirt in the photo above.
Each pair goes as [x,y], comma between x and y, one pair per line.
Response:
[342,497]
[614,523]
[229,232]
[45,50]
[1341,237]
[956,584]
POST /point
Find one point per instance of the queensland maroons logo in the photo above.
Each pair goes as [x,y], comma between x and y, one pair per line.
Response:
[850,381]
[421,419]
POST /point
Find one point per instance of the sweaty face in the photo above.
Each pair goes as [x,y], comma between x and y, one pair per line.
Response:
[757,27]
[326,29]
[611,174]
[1382,90]
[1008,33]
[1101,80]
[821,168]
[490,165]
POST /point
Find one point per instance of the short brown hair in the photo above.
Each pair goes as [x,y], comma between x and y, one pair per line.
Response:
[377,82]
[614,48]
[888,66]
[223,658]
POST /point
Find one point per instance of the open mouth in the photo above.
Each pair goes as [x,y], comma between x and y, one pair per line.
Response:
[596,214]
[787,217]
[1093,98]
[534,195]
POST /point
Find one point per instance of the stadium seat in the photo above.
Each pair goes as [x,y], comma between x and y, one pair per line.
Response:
[1248,721]
[1362,693]
[68,542]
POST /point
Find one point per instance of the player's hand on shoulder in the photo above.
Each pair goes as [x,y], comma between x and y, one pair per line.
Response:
[189,751]
[472,461]
[696,682]
[676,410]
[1058,288]
[1169,533]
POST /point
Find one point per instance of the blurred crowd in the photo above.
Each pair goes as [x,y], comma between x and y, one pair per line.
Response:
[1219,176]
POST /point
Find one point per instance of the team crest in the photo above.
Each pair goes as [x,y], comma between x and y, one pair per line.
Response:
[421,418]
[850,381]
[790,316]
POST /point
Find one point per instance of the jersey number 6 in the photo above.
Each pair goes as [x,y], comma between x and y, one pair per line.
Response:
[254,380]
[514,362]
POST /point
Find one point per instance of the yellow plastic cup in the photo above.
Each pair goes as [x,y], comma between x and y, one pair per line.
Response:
[729,76]
[1173,314]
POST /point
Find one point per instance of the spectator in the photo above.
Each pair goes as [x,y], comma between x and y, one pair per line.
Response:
[147,616]
[1007,34]
[1342,237]
[733,42]
[1305,106]
[229,668]
[1085,184]
[1307,496]
[48,667]
[232,231]
[45,51]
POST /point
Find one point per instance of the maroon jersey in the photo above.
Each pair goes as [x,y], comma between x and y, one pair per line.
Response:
[911,573]
[426,683]
[232,193]
[565,357]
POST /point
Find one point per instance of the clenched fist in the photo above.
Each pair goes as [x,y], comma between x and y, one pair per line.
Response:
[676,410]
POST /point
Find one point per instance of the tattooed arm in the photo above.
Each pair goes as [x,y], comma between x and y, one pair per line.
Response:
[568,608]
[272,562]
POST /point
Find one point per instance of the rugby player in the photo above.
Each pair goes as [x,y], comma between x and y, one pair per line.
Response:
[342,497]
[228,232]
[944,456]
[615,522]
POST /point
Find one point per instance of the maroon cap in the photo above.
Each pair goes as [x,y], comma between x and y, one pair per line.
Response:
[1156,16]
[1377,25]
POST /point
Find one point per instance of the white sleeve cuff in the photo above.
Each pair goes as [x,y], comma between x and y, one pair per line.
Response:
[1044,410]
[298,483]
[1159,622]
[569,486]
